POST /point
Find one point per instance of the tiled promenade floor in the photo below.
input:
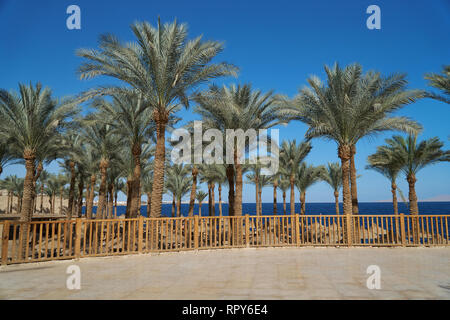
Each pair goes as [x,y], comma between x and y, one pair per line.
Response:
[266,273]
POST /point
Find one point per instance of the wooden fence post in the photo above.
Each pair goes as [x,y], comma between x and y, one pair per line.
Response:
[402,229]
[5,241]
[196,220]
[247,231]
[78,237]
[297,229]
[140,233]
[349,229]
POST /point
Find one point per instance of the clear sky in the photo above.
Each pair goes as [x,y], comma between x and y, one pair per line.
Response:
[276,44]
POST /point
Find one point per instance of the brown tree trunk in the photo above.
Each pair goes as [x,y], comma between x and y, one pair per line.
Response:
[136,183]
[275,186]
[292,180]
[80,197]
[199,208]
[179,207]
[61,201]
[26,208]
[161,119]
[173,206]
[302,202]
[284,202]
[344,155]
[90,202]
[394,197]
[193,191]
[413,206]
[213,200]
[209,200]
[238,195]
[71,190]
[149,197]
[129,196]
[110,200]
[230,178]
[260,200]
[355,209]
[101,206]
[42,197]
[220,199]
[257,194]
[336,201]
[115,205]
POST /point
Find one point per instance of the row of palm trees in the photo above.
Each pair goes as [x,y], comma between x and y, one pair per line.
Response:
[122,141]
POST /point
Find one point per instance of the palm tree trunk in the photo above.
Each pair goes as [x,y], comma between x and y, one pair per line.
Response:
[42,198]
[413,206]
[213,200]
[173,206]
[344,155]
[257,194]
[149,197]
[129,196]
[209,200]
[230,178]
[284,202]
[355,209]
[275,186]
[193,191]
[61,201]
[90,203]
[336,201]
[135,207]
[71,190]
[292,195]
[199,208]
[238,195]
[302,202]
[110,200]
[220,199]
[260,200]
[115,205]
[179,207]
[80,196]
[161,119]
[26,209]
[394,197]
[102,190]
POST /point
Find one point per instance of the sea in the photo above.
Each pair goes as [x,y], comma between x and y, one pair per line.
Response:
[311,208]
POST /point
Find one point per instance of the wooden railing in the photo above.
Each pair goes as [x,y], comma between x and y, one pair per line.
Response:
[67,239]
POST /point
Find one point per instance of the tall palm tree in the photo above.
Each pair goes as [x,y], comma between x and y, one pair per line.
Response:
[260,181]
[332,175]
[349,107]
[412,156]
[43,178]
[147,187]
[291,155]
[441,82]
[284,185]
[305,177]
[233,108]
[103,140]
[383,161]
[178,183]
[130,116]
[209,174]
[164,66]
[30,122]
[200,196]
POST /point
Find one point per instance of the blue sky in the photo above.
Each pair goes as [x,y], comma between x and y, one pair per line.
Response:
[276,44]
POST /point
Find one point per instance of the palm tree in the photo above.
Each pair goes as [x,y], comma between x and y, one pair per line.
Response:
[43,178]
[130,116]
[200,196]
[291,155]
[351,106]
[284,185]
[236,108]
[210,175]
[383,161]
[412,156]
[5,156]
[147,187]
[332,175]
[178,183]
[260,181]
[31,122]
[164,66]
[441,82]
[102,139]
[306,176]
